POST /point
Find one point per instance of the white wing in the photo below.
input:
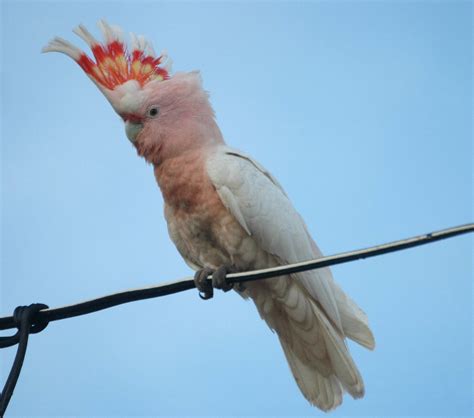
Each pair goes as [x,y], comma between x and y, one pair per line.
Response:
[312,338]
[263,209]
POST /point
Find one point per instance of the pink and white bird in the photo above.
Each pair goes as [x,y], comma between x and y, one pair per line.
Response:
[226,213]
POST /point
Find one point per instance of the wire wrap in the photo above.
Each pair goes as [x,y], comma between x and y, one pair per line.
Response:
[23,317]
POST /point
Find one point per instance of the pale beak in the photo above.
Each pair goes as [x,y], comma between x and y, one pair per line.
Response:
[132,129]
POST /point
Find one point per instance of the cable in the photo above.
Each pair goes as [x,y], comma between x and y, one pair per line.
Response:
[35,318]
[23,316]
[164,289]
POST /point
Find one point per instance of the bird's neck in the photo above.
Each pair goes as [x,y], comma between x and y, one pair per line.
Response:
[190,134]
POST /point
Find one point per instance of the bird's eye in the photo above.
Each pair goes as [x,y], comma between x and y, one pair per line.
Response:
[153,111]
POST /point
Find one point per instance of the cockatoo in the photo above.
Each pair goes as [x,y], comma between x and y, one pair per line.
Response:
[226,213]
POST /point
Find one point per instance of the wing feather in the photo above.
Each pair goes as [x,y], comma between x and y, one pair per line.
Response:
[263,209]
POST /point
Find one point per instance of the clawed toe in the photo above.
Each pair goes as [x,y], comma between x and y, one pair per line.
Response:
[204,286]
[218,281]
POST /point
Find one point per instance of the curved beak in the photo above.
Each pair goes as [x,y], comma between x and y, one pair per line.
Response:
[132,129]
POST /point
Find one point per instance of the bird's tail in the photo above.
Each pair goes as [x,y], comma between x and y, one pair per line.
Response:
[315,349]
[323,391]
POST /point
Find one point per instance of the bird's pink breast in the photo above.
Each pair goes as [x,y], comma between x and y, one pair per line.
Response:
[184,183]
[205,233]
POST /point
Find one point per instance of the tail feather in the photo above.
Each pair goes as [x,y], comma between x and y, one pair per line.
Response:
[342,363]
[321,391]
[354,320]
[304,339]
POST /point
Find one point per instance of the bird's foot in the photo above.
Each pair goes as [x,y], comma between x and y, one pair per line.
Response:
[206,291]
[218,280]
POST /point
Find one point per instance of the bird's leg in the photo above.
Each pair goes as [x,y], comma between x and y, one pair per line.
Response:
[205,288]
[218,280]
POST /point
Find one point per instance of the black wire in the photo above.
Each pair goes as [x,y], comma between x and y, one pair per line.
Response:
[23,317]
[10,340]
[104,302]
[35,318]
[133,295]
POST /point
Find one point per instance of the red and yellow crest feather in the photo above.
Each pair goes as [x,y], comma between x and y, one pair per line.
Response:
[114,63]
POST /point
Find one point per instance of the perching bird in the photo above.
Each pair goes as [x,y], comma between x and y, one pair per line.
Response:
[226,213]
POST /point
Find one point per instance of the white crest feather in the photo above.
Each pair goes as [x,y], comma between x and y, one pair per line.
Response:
[166,61]
[141,42]
[117,33]
[150,51]
[133,41]
[107,31]
[84,34]
[58,44]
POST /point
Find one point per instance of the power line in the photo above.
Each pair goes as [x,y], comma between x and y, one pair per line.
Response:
[36,317]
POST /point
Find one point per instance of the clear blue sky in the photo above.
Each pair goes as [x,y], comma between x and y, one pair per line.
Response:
[363,111]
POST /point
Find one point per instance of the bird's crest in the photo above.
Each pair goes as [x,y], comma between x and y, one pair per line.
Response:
[115,63]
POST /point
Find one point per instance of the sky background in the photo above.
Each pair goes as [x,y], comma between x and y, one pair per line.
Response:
[362,110]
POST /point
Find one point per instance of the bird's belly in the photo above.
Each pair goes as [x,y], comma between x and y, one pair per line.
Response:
[213,241]
[214,238]
[207,235]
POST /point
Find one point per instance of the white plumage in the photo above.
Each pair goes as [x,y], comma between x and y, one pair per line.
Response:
[309,312]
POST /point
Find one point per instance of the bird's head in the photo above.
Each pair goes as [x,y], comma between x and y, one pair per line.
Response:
[164,115]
